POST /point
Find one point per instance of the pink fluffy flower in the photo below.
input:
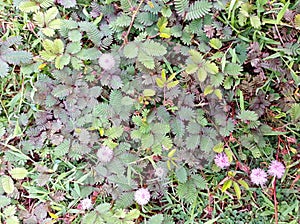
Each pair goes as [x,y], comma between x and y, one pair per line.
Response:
[107,61]
[142,196]
[258,176]
[276,169]
[85,204]
[221,160]
[105,154]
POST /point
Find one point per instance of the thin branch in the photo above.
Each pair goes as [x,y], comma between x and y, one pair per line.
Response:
[135,12]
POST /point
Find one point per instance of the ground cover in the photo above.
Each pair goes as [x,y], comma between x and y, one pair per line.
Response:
[139,111]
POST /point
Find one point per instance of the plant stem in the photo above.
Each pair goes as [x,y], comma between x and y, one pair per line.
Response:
[275,201]
[135,12]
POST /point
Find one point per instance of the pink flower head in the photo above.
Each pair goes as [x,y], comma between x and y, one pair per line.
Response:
[142,196]
[105,154]
[85,204]
[276,169]
[258,176]
[221,160]
[107,61]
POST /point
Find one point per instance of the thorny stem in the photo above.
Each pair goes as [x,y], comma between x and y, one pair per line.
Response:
[135,12]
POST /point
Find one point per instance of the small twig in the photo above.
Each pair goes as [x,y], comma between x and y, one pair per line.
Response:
[135,12]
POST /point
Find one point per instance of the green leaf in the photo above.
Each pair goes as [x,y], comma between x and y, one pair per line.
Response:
[114,132]
[172,84]
[12,220]
[62,149]
[131,50]
[28,6]
[48,32]
[7,184]
[58,46]
[208,90]
[247,115]
[18,173]
[237,190]
[160,83]
[198,9]
[215,43]
[146,60]
[156,219]
[191,68]
[74,35]
[233,69]
[181,174]
[62,60]
[226,185]
[147,141]
[211,67]
[218,93]
[3,68]
[50,14]
[153,48]
[243,183]
[133,214]
[282,12]
[297,21]
[255,21]
[202,74]
[219,147]
[149,92]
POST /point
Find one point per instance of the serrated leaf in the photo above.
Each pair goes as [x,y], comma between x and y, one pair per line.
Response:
[147,141]
[74,35]
[58,46]
[28,6]
[247,115]
[202,74]
[7,184]
[233,69]
[192,142]
[297,21]
[149,92]
[55,24]
[50,14]
[215,43]
[218,93]
[208,90]
[18,173]
[243,183]
[229,154]
[114,132]
[159,83]
[62,60]
[156,219]
[172,84]
[226,185]
[48,32]
[237,190]
[255,21]
[146,60]
[62,149]
[211,67]
[206,143]
[131,50]
[3,68]
[219,147]
[191,68]
[181,174]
